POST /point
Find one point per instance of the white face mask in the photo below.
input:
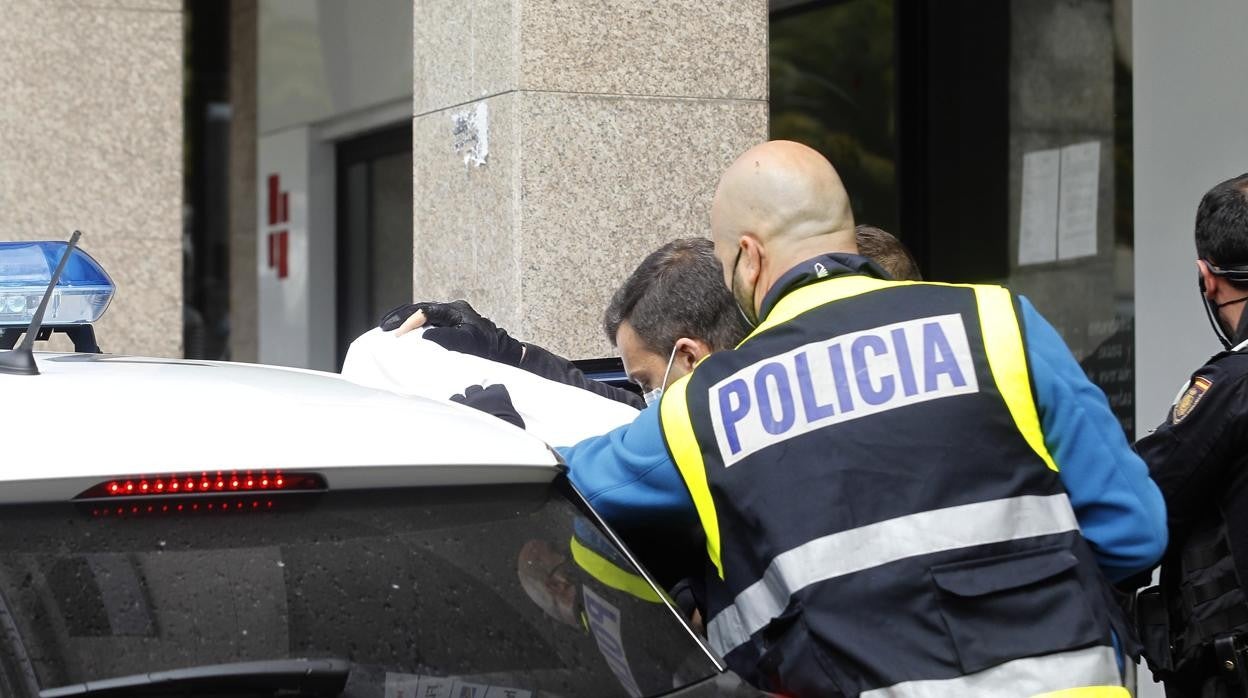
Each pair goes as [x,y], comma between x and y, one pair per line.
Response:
[652,396]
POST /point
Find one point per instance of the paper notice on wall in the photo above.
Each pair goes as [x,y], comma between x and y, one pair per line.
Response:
[1037,224]
[1080,189]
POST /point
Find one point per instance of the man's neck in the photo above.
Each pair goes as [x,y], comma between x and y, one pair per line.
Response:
[1235,315]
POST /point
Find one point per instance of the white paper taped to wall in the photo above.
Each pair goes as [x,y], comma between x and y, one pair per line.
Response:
[1059,202]
[1037,224]
[1080,190]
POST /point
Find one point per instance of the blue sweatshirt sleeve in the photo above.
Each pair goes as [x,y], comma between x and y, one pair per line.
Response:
[1119,508]
[628,475]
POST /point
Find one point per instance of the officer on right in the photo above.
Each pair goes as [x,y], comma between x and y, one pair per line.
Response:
[1193,624]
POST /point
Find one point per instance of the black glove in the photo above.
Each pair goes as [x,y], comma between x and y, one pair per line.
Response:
[458,327]
[493,400]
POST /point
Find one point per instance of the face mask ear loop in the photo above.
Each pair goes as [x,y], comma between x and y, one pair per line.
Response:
[651,395]
[1211,310]
[748,322]
[668,372]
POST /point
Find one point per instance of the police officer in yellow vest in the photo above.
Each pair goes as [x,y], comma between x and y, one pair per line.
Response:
[906,489]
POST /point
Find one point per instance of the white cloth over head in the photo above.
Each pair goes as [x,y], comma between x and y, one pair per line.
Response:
[559,414]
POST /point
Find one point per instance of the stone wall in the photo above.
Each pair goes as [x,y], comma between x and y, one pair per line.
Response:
[244,320]
[556,144]
[91,138]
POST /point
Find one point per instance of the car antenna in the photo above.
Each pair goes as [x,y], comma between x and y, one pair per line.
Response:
[21,361]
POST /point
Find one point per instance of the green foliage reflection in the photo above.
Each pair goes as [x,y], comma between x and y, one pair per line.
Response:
[832,88]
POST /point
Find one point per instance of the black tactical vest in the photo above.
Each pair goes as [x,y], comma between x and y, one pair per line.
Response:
[1204,594]
[882,515]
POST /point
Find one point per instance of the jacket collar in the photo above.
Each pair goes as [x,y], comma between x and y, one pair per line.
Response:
[816,269]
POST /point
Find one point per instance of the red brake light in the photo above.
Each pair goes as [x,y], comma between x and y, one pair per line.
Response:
[103,509]
[186,483]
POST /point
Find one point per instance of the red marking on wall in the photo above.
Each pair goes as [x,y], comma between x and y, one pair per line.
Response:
[279,214]
[275,186]
[283,245]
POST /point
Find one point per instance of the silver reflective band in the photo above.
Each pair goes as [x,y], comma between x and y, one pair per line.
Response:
[880,543]
[1093,666]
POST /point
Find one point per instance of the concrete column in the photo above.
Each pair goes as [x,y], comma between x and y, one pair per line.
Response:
[555,144]
[244,320]
[91,138]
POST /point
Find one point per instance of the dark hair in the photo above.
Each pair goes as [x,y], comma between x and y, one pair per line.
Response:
[887,251]
[677,291]
[1222,223]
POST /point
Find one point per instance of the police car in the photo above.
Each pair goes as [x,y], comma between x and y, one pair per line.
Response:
[176,527]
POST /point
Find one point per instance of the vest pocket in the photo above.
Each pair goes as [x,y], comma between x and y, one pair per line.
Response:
[1007,607]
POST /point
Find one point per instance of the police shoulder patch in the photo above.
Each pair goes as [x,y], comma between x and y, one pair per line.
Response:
[1190,398]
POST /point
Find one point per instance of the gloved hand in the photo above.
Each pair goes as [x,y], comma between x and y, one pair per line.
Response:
[493,400]
[458,327]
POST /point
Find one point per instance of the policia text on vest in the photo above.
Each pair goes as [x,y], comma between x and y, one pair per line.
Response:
[848,377]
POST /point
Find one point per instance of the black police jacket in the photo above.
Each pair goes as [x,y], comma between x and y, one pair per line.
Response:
[1199,459]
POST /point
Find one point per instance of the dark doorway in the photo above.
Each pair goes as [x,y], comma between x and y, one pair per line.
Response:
[206,205]
[374,230]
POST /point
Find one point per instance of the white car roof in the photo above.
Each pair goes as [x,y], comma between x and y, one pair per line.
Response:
[94,416]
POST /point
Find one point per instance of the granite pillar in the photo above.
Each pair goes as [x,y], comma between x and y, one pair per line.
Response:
[244,312]
[555,144]
[91,138]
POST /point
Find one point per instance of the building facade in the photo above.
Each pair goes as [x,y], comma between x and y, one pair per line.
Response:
[552,147]
[264,178]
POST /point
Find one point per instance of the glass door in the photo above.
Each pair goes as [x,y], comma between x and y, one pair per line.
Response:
[374,265]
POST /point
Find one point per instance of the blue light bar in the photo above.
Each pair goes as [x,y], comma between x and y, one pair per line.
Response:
[81,295]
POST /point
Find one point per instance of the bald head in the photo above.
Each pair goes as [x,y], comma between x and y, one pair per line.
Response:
[778,205]
[785,194]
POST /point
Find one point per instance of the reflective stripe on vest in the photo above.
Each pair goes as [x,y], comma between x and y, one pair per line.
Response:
[881,543]
[687,454]
[1092,671]
[607,572]
[1003,345]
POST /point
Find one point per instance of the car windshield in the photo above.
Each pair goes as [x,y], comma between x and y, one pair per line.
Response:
[506,590]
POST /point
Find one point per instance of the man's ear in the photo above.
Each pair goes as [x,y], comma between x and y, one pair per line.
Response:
[1208,280]
[690,351]
[752,256]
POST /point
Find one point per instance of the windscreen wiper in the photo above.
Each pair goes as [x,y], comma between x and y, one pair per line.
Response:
[274,677]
